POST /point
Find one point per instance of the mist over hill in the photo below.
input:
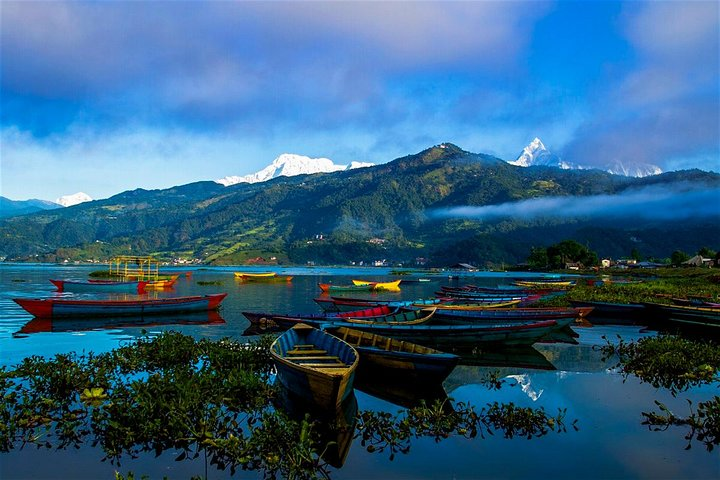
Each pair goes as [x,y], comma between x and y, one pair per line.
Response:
[385,212]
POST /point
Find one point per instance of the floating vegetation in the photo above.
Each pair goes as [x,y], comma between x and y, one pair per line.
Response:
[211,399]
[382,431]
[667,361]
[209,282]
[676,364]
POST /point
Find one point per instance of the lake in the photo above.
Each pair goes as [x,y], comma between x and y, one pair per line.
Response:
[610,441]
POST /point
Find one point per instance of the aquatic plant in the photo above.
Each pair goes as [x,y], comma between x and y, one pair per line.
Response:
[676,364]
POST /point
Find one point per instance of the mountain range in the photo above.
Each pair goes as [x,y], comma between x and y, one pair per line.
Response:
[289,165]
[536,154]
[387,211]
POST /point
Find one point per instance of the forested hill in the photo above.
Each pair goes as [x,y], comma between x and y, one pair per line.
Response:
[380,212]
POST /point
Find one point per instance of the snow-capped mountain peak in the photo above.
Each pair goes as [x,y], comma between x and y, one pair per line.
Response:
[537,154]
[74,199]
[288,165]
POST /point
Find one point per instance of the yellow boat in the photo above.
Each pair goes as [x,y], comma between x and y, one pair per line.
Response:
[379,285]
[255,274]
[261,277]
[542,283]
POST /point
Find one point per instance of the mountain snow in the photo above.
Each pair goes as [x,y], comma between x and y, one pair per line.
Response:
[288,165]
[536,154]
[74,199]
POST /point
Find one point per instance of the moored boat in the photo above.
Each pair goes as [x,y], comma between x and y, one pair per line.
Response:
[262,277]
[72,307]
[388,357]
[315,365]
[81,286]
[394,285]
[401,317]
[703,317]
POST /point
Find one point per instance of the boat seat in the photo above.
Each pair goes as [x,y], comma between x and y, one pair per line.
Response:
[325,365]
[297,358]
[306,352]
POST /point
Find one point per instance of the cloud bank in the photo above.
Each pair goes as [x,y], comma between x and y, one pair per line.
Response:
[677,202]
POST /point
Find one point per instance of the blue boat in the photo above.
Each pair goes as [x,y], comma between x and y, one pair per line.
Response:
[315,365]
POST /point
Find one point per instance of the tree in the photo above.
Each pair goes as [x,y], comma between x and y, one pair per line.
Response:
[706,252]
[678,257]
[538,258]
[570,251]
[635,254]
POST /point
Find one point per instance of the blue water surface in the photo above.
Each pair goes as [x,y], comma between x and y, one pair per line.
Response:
[610,440]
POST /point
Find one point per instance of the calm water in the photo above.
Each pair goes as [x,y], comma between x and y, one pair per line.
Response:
[610,442]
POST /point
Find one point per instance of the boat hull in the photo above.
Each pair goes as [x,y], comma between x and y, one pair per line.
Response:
[82,286]
[325,386]
[65,307]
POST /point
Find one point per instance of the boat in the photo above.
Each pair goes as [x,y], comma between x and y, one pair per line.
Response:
[394,285]
[544,283]
[501,315]
[262,277]
[449,337]
[162,283]
[80,286]
[266,319]
[341,304]
[73,307]
[401,317]
[703,317]
[329,287]
[315,365]
[612,313]
[387,357]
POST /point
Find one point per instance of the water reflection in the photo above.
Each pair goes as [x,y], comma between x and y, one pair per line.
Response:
[402,394]
[37,325]
[335,429]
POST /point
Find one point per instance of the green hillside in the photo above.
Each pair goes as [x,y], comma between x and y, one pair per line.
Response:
[375,213]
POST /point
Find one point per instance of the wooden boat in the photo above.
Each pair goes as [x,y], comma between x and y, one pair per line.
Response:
[69,307]
[340,304]
[401,317]
[612,313]
[262,277]
[315,365]
[266,319]
[329,287]
[510,314]
[80,286]
[162,283]
[394,285]
[388,357]
[544,283]
[455,336]
[684,315]
[474,306]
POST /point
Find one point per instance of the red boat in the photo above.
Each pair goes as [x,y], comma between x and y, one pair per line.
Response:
[68,307]
[134,286]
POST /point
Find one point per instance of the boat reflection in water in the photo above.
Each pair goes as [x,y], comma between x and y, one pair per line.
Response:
[37,325]
[403,394]
[335,428]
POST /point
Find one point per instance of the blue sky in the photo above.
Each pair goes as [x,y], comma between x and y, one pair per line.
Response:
[103,97]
